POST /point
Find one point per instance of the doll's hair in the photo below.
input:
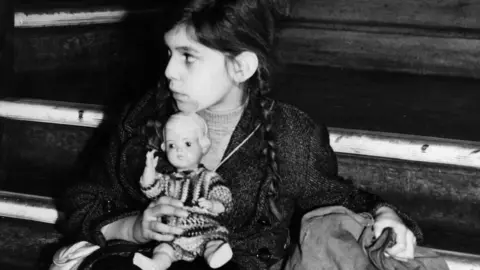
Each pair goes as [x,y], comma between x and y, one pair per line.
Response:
[232,27]
[190,119]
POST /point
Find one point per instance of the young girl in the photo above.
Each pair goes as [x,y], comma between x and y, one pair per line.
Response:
[277,162]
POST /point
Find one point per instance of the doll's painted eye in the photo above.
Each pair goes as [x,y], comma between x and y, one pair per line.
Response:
[171,146]
[188,144]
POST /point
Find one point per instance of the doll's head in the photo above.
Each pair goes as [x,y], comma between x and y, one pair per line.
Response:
[185,140]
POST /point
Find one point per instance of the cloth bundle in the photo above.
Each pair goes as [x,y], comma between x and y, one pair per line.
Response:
[336,238]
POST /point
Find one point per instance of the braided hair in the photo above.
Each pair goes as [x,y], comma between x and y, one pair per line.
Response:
[232,27]
[269,148]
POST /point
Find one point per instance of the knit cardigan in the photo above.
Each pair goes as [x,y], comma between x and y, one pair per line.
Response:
[307,167]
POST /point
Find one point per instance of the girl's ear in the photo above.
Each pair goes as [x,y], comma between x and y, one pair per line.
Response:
[244,66]
[163,146]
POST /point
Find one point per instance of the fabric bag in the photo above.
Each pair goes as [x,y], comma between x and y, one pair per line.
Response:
[336,238]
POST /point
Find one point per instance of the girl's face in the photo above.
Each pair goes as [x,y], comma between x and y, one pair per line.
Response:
[199,77]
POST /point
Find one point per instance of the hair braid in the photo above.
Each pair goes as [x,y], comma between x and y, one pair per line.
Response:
[269,150]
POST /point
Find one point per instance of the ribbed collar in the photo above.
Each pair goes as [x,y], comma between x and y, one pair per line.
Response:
[227,118]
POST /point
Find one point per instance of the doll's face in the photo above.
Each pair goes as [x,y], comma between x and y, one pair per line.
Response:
[182,146]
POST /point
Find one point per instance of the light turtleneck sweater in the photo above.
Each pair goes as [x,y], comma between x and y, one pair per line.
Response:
[221,125]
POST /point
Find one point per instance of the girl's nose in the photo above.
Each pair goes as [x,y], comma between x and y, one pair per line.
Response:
[172,70]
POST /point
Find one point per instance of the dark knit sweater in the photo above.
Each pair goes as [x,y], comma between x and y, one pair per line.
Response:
[307,167]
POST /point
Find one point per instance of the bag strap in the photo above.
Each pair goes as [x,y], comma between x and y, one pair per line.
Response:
[113,248]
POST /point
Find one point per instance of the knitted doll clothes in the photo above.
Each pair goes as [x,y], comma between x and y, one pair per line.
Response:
[201,225]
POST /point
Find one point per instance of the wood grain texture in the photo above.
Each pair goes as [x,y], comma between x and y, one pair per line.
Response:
[6,47]
[40,158]
[313,45]
[43,49]
[27,244]
[424,37]
[444,107]
[441,13]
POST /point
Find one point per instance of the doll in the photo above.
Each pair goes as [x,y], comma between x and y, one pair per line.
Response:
[202,192]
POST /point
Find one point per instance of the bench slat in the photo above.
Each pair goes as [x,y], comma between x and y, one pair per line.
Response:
[54,18]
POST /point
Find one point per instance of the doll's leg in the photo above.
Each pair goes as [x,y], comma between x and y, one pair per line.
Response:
[163,256]
[217,253]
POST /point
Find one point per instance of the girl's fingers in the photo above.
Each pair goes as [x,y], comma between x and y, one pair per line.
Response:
[161,228]
[169,201]
[168,210]
[154,228]
[408,253]
[160,237]
[401,244]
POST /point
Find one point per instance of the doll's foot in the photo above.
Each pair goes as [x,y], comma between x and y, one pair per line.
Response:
[146,263]
[218,253]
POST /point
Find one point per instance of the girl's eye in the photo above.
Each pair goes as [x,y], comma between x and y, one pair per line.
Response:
[188,144]
[171,146]
[189,58]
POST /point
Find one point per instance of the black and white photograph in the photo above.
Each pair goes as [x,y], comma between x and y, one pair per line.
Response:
[239,134]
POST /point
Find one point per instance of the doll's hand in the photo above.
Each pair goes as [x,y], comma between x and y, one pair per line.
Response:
[212,206]
[148,176]
[404,247]
[151,161]
[206,204]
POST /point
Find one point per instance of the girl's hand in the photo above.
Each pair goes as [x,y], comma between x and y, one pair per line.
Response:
[404,247]
[148,226]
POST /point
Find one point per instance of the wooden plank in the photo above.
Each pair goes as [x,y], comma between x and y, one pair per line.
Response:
[89,47]
[380,144]
[405,147]
[460,261]
[425,37]
[312,45]
[6,48]
[435,106]
[441,198]
[28,245]
[77,17]
[55,112]
[445,13]
[29,207]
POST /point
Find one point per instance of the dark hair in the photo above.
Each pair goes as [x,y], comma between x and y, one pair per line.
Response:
[232,27]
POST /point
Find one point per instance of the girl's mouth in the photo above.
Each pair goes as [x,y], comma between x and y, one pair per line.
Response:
[180,97]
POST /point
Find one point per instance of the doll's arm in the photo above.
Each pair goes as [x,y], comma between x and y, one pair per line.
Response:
[151,182]
[148,176]
[215,207]
[219,194]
